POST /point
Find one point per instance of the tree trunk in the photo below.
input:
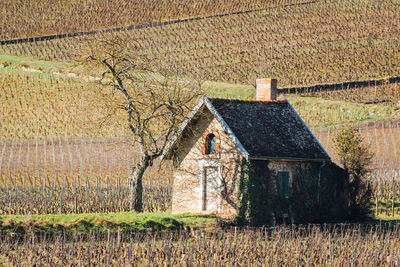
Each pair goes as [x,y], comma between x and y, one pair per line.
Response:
[136,185]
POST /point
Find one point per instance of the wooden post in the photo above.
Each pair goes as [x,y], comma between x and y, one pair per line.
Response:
[75,204]
[393,207]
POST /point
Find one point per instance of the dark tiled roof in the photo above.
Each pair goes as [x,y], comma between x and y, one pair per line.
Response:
[269,129]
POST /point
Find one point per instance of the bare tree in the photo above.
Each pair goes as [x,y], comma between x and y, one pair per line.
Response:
[153,99]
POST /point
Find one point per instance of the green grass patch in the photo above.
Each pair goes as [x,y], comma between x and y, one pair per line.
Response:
[15,63]
[94,222]
[317,111]
[227,90]
[384,217]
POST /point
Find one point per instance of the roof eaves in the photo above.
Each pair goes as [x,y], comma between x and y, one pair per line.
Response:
[289,159]
[308,129]
[171,143]
[227,129]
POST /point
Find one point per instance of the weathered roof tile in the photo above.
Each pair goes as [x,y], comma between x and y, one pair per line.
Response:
[269,129]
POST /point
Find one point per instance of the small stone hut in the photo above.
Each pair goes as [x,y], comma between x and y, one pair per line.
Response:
[223,137]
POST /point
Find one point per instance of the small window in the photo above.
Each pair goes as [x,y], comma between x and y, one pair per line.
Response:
[211,144]
[282,184]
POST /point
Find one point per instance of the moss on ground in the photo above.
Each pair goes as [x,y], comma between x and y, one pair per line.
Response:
[102,222]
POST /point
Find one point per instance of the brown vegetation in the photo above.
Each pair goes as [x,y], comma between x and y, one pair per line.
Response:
[33,106]
[282,246]
[372,94]
[323,42]
[82,197]
[19,18]
[382,139]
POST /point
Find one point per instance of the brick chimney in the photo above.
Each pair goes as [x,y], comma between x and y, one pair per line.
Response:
[266,89]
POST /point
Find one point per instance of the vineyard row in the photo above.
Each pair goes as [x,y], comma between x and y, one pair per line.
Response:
[339,41]
[343,245]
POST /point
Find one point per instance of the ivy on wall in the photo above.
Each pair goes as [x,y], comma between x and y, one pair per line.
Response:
[319,194]
[254,193]
[314,196]
[243,192]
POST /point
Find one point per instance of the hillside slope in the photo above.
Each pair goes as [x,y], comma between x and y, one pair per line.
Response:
[322,42]
[21,18]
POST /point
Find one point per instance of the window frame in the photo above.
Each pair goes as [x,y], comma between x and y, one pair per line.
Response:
[204,145]
[286,194]
[211,148]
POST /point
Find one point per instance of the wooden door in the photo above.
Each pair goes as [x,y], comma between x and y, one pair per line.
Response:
[210,189]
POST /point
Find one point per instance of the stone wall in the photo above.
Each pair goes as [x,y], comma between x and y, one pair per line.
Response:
[282,210]
[290,166]
[260,202]
[190,167]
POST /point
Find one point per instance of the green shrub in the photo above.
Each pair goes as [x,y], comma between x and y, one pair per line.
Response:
[356,160]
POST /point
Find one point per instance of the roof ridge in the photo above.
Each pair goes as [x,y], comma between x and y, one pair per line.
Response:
[250,100]
[260,131]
